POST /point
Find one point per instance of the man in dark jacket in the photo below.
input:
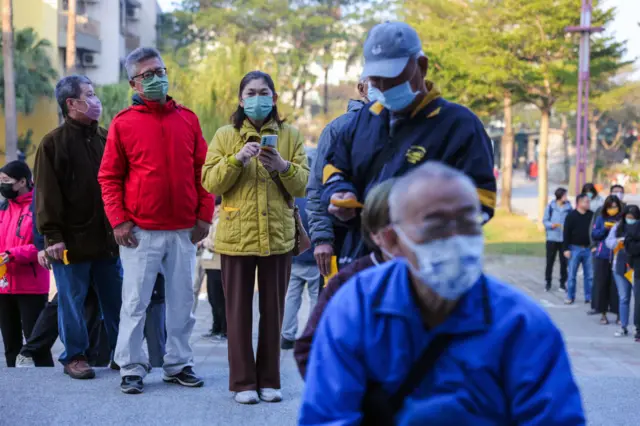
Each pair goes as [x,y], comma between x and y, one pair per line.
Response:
[411,123]
[70,215]
[321,226]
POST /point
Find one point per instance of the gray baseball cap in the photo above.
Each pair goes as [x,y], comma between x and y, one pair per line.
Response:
[388,48]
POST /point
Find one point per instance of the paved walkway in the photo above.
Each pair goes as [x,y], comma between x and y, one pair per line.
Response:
[607,368]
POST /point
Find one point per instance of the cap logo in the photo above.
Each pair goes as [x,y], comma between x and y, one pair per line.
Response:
[377,49]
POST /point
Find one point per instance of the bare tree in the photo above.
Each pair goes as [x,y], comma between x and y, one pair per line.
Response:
[10,114]
[71,37]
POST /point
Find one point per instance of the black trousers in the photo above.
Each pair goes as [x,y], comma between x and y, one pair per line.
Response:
[18,315]
[605,292]
[554,249]
[45,333]
[215,293]
[636,296]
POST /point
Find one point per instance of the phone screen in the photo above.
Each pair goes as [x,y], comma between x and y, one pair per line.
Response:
[269,141]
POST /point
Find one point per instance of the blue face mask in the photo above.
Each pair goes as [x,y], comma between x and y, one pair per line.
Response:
[374,94]
[630,221]
[258,107]
[398,98]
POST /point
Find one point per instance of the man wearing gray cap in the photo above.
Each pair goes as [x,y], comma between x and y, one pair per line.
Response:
[408,125]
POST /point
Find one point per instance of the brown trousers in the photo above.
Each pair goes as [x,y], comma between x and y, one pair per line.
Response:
[238,281]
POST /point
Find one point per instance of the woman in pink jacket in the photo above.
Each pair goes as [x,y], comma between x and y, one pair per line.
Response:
[24,284]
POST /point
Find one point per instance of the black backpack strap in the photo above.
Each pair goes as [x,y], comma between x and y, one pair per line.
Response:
[419,370]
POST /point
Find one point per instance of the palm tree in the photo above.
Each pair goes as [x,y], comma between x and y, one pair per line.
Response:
[9,99]
[34,72]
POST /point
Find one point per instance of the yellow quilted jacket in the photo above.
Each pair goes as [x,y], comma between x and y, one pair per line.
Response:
[255,219]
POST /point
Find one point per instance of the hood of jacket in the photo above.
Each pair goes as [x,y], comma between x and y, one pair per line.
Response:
[355,105]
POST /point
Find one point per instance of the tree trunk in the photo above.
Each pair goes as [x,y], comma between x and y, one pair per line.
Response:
[10,113]
[71,38]
[593,145]
[543,175]
[326,90]
[506,148]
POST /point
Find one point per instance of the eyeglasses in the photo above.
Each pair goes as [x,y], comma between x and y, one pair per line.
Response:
[160,72]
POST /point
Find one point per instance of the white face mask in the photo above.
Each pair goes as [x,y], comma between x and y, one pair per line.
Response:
[619,195]
[450,266]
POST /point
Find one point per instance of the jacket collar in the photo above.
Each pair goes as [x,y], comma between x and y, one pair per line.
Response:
[472,314]
[85,129]
[144,105]
[354,105]
[22,199]
[247,130]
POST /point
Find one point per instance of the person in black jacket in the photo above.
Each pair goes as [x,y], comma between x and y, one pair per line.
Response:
[632,249]
[577,242]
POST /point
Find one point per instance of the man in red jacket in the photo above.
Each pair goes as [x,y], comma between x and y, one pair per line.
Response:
[150,178]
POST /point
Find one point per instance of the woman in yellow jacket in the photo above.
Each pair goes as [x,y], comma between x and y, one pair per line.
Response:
[256,230]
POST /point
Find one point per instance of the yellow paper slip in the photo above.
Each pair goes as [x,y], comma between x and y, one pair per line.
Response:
[629,275]
[332,271]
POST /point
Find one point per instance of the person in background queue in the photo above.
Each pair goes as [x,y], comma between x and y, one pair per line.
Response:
[304,272]
[70,215]
[215,292]
[553,221]
[408,125]
[326,238]
[632,250]
[413,324]
[595,199]
[257,230]
[615,243]
[150,178]
[604,291]
[375,217]
[24,285]
[576,247]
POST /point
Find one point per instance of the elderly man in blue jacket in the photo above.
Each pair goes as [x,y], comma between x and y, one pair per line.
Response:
[431,333]
[408,125]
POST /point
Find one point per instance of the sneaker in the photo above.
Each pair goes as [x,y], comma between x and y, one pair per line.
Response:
[79,369]
[569,301]
[209,334]
[247,397]
[185,378]
[132,385]
[622,333]
[24,361]
[286,344]
[637,336]
[114,366]
[547,288]
[270,395]
[563,287]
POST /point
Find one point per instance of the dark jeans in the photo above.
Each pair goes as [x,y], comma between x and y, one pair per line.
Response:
[73,283]
[45,332]
[605,292]
[18,315]
[215,294]
[554,249]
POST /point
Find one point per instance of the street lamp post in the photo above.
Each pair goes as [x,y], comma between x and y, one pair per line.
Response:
[582,117]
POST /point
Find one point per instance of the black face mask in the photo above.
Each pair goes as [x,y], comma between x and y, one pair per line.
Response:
[7,191]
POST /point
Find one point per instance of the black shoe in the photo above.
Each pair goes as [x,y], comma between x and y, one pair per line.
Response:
[637,336]
[114,366]
[286,344]
[209,334]
[185,378]
[547,287]
[132,385]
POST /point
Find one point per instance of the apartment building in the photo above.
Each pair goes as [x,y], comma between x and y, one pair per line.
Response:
[106,32]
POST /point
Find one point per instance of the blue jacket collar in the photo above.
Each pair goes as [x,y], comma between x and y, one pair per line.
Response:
[395,297]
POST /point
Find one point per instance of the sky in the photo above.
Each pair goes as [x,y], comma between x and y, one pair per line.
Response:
[625,26]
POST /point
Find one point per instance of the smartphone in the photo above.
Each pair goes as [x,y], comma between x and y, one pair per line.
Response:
[269,142]
[348,203]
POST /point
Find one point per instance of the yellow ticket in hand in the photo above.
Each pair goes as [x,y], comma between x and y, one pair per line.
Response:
[332,271]
[348,203]
[609,225]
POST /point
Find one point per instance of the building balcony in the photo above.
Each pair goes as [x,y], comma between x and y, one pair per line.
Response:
[131,42]
[87,32]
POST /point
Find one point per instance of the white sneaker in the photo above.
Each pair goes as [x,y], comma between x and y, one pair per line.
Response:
[24,362]
[247,397]
[270,395]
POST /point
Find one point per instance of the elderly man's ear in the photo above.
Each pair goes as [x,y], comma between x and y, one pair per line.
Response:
[423,63]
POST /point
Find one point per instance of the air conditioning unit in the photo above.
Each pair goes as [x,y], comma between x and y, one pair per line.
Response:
[133,13]
[89,60]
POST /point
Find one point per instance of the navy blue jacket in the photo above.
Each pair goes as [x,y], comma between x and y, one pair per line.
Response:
[306,257]
[437,130]
[38,238]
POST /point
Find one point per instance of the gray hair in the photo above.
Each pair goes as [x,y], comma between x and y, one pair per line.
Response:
[69,88]
[139,55]
[430,170]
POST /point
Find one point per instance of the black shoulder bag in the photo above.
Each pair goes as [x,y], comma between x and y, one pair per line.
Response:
[379,408]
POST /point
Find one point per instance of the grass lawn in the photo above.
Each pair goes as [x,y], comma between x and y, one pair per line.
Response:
[510,233]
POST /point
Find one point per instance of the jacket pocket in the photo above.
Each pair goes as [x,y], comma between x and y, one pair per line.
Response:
[229,225]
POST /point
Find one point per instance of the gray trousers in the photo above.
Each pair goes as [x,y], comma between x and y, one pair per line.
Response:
[172,253]
[301,274]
